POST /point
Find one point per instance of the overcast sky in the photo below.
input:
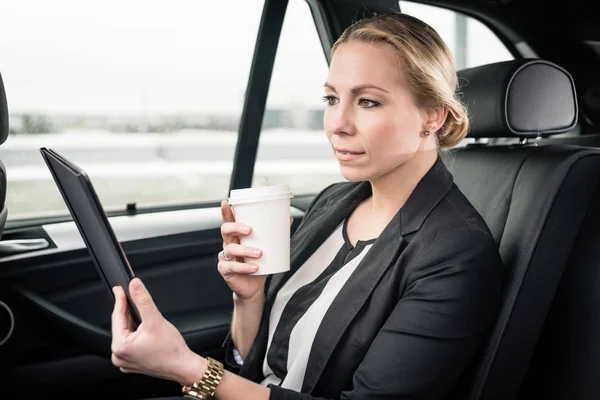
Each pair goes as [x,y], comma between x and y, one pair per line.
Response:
[177,56]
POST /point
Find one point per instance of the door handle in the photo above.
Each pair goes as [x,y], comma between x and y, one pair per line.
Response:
[21,245]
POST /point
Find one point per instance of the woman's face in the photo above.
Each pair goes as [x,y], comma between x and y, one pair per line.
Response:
[371,119]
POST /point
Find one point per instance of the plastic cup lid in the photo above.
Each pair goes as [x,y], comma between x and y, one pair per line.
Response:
[260,193]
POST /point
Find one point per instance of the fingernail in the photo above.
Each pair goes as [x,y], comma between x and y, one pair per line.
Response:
[256,252]
[246,229]
[138,287]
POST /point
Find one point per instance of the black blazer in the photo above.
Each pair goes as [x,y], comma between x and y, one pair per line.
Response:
[411,317]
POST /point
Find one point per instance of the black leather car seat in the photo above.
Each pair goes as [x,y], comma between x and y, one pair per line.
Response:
[534,199]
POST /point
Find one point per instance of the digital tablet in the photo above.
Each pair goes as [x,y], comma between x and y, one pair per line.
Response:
[89,216]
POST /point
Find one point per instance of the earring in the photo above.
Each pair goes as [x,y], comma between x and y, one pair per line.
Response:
[425,133]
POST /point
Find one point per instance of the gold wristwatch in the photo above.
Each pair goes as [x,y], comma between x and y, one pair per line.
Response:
[206,387]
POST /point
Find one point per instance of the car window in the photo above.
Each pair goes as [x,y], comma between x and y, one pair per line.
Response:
[293,147]
[471,42]
[145,95]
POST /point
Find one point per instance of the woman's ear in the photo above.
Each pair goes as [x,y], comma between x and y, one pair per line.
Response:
[436,116]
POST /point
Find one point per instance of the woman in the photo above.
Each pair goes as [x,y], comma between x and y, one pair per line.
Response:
[395,277]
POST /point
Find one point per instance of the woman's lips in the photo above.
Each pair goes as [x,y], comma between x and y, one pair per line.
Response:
[347,155]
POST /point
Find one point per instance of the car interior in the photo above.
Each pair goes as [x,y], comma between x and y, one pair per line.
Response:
[530,165]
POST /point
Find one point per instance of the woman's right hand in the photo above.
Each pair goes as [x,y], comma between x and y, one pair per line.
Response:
[236,272]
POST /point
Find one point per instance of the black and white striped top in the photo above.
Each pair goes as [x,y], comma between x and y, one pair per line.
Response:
[301,304]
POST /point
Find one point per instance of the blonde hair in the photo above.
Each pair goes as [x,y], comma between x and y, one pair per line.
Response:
[428,63]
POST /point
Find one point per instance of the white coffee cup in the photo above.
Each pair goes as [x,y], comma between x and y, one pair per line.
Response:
[266,209]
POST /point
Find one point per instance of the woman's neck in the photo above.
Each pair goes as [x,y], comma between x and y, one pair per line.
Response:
[392,190]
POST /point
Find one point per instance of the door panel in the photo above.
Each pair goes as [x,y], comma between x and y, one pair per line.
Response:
[61,338]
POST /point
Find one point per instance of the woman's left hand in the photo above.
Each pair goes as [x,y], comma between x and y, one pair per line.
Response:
[156,348]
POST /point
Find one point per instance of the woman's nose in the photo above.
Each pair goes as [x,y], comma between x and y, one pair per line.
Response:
[338,121]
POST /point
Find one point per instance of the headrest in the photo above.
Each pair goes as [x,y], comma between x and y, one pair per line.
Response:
[3,113]
[518,98]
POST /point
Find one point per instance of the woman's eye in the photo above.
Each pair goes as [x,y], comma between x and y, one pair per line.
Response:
[366,103]
[330,100]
